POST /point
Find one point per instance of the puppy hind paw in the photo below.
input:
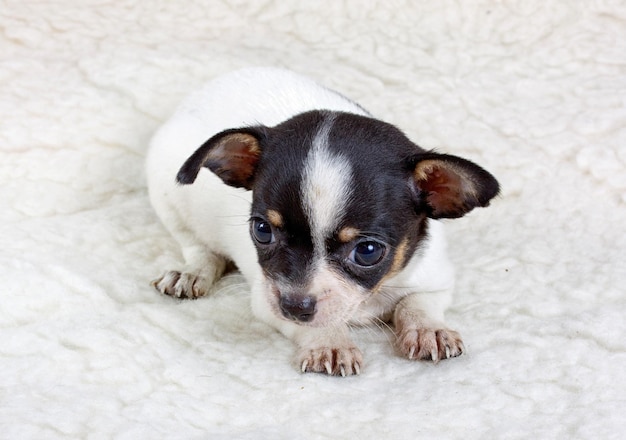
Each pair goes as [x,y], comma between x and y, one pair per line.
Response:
[345,361]
[430,344]
[182,285]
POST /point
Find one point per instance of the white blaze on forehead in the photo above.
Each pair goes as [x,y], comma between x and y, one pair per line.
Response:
[325,187]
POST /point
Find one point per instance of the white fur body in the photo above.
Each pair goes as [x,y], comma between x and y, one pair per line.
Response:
[210,219]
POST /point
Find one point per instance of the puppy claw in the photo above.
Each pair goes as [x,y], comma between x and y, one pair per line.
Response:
[329,369]
[434,355]
[412,352]
[462,349]
[304,365]
[448,352]
[357,368]
[343,371]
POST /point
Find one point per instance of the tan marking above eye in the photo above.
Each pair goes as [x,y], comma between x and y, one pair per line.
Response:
[275,218]
[347,234]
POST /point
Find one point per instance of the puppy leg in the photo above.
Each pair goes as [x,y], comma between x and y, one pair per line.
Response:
[420,329]
[202,267]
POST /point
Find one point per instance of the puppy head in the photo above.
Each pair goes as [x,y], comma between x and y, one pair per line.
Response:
[340,203]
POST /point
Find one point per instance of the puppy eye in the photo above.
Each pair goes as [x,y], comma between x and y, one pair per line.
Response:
[367,253]
[262,231]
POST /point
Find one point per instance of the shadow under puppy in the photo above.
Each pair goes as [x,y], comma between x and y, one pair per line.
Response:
[342,213]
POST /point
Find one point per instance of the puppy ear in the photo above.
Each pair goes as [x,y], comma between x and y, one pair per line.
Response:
[449,187]
[232,155]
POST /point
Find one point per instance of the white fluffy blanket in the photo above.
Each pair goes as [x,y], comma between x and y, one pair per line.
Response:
[533,90]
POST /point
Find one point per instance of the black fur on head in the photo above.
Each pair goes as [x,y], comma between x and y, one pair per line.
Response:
[394,186]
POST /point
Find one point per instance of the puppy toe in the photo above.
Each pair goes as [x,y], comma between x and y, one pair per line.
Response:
[449,344]
[166,283]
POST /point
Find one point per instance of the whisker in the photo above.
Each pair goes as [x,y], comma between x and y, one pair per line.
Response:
[374,326]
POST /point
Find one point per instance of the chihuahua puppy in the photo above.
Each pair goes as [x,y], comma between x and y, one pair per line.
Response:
[330,214]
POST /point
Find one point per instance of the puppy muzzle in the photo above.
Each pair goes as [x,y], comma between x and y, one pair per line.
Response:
[300,308]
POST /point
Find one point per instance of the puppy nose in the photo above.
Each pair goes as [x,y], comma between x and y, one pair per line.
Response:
[298,307]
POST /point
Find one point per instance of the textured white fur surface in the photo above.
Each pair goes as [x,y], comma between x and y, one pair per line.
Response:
[533,90]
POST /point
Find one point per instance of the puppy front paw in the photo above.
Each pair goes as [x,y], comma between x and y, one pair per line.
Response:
[430,344]
[182,285]
[334,361]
